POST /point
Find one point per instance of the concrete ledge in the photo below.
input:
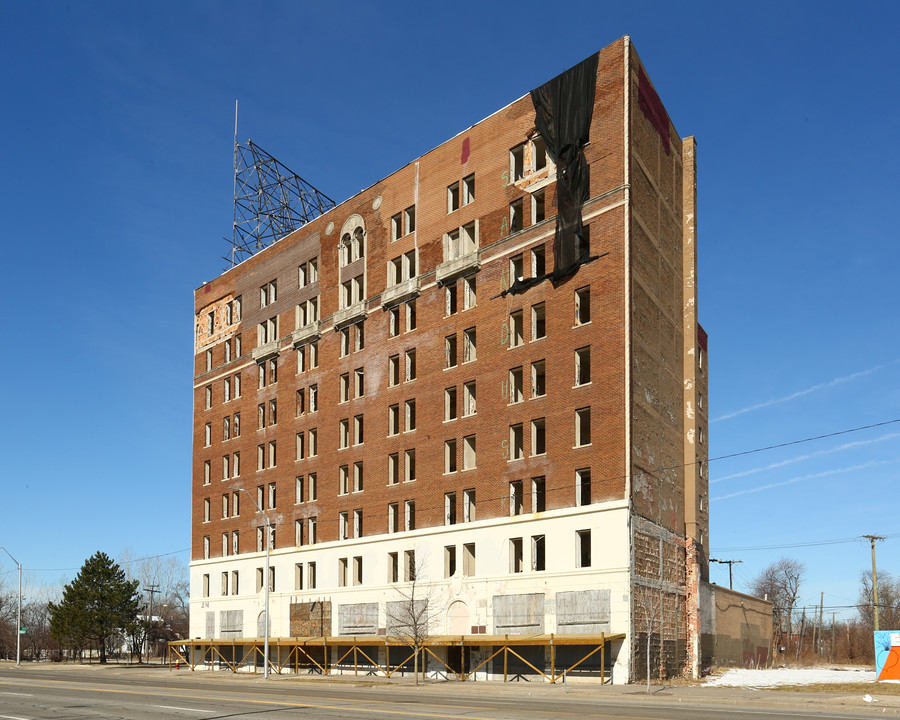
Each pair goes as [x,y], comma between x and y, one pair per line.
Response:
[400,292]
[460,266]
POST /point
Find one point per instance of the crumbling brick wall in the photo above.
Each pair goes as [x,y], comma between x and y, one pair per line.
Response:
[658,601]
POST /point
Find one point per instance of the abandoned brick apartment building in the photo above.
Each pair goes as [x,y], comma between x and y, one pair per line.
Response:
[484,372]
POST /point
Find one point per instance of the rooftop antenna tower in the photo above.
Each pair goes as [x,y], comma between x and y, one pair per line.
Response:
[270,200]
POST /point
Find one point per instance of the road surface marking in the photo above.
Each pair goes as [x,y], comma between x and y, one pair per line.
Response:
[172,707]
[12,693]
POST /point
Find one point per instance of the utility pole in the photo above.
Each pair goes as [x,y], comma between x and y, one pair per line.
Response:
[729,563]
[872,539]
[817,635]
[832,636]
[152,589]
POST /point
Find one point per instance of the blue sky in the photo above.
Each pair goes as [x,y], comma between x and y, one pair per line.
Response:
[117,122]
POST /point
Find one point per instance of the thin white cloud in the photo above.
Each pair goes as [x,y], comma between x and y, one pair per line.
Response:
[807,456]
[801,393]
[801,478]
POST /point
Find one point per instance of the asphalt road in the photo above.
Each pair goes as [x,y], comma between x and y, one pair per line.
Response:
[38,692]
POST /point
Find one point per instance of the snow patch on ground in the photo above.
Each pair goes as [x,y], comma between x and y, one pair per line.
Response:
[763,678]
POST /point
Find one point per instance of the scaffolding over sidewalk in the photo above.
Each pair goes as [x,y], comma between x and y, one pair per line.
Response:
[362,654]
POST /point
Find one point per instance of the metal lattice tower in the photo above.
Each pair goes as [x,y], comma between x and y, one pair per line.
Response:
[270,201]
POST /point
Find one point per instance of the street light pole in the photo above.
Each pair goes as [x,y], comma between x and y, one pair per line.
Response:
[268,541]
[19,612]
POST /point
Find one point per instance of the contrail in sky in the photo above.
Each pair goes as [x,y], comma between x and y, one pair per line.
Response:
[800,478]
[801,393]
[801,458]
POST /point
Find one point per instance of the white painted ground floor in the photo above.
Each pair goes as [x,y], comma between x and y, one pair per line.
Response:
[562,572]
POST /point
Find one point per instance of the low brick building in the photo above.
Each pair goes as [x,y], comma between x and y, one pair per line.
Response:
[484,372]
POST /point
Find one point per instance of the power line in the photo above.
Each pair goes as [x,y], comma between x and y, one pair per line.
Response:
[813,543]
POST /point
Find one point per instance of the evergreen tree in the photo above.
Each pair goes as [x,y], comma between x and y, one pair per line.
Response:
[98,604]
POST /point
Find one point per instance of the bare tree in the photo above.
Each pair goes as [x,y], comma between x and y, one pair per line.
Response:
[169,578]
[649,620]
[780,583]
[412,617]
[888,601]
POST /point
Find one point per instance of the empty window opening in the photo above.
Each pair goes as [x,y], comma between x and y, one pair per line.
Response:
[344,434]
[582,427]
[453,197]
[515,215]
[343,480]
[393,469]
[583,305]
[517,162]
[468,189]
[450,508]
[515,385]
[516,268]
[516,337]
[538,321]
[410,415]
[450,294]
[516,450]
[393,518]
[357,477]
[469,292]
[393,419]
[538,210]
[583,486]
[538,494]
[450,456]
[469,459]
[469,505]
[449,561]
[538,379]
[450,404]
[584,548]
[538,557]
[583,366]
[469,559]
[516,498]
[516,564]
[538,437]
[469,345]
[409,557]
[450,350]
[394,370]
[410,316]
[469,397]
[410,465]
[394,321]
[393,567]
